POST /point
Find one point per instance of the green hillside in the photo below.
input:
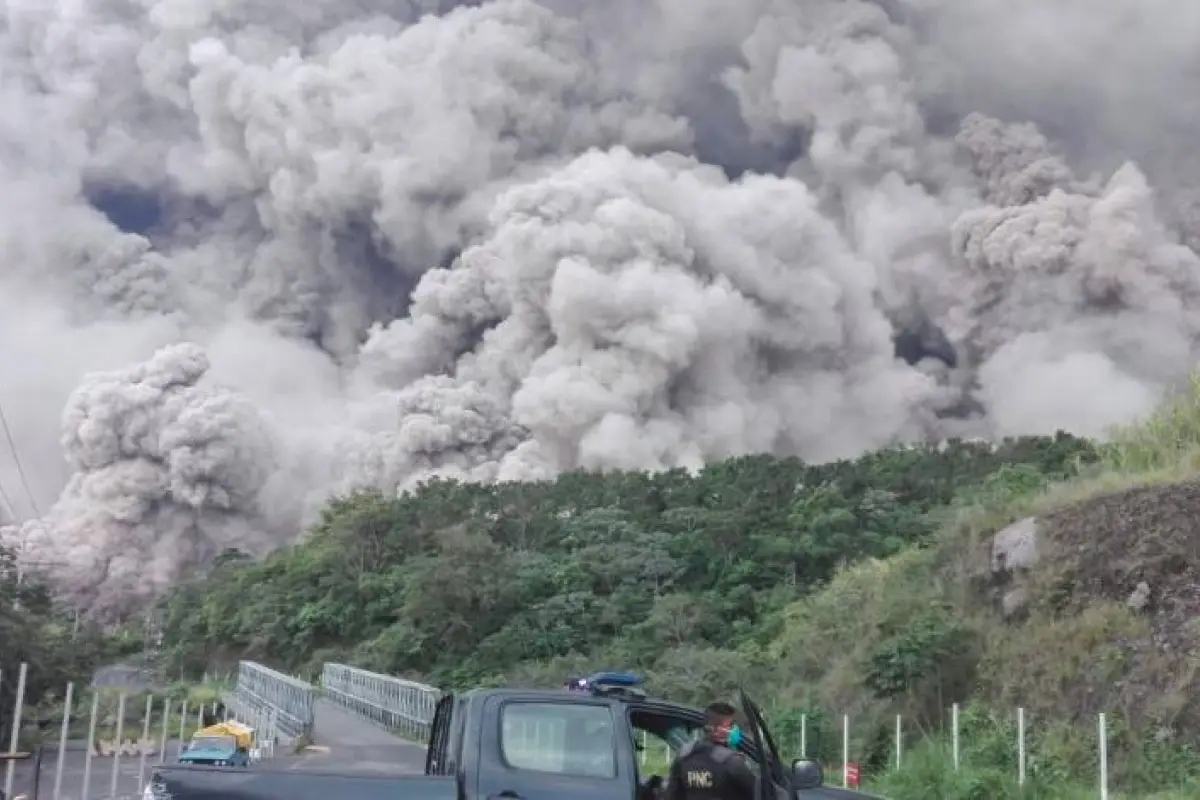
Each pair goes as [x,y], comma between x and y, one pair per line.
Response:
[685,576]
[863,587]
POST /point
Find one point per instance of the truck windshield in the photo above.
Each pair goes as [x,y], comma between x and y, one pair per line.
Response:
[563,738]
[212,743]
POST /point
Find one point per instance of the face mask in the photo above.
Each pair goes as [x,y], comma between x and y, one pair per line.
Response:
[735,737]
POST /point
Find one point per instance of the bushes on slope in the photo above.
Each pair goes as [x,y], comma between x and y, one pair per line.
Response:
[467,583]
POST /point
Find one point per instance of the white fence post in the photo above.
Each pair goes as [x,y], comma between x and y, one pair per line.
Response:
[144,743]
[845,751]
[116,764]
[1103,733]
[182,725]
[1020,747]
[804,735]
[954,734]
[62,741]
[13,739]
[91,743]
[162,754]
[899,740]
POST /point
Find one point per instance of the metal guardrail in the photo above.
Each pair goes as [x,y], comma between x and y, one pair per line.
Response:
[292,701]
[262,718]
[405,707]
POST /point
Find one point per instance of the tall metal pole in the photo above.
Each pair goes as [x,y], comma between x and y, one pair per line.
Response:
[116,765]
[144,743]
[1103,731]
[62,742]
[182,725]
[91,744]
[14,736]
[954,733]
[1020,747]
[162,750]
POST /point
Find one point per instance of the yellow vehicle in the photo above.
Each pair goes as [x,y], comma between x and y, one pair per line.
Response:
[226,744]
[244,734]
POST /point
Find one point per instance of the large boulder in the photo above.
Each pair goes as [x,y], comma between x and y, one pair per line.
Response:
[1014,549]
[1009,555]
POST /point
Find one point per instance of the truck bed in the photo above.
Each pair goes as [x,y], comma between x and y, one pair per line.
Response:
[177,782]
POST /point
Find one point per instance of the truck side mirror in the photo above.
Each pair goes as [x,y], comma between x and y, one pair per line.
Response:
[806,774]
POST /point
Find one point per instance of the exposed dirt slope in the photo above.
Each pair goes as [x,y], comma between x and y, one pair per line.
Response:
[1148,535]
[1114,619]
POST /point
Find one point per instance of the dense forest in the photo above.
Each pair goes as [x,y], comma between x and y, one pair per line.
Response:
[684,576]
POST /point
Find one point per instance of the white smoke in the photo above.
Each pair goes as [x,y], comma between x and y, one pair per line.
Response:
[350,244]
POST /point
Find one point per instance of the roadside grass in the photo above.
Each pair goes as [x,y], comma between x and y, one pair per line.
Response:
[924,776]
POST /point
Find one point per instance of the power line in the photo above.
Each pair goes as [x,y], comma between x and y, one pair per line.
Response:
[12,446]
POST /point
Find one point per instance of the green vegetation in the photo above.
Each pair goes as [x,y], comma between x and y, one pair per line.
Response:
[1064,767]
[36,630]
[685,576]
[913,633]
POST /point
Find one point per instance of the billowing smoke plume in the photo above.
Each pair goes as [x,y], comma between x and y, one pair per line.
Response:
[262,252]
[165,474]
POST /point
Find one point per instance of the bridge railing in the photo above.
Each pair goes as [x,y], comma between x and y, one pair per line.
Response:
[262,718]
[290,702]
[402,706]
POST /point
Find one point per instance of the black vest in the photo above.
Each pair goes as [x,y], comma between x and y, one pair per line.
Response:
[703,771]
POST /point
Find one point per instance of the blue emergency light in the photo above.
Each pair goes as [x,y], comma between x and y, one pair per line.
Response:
[598,682]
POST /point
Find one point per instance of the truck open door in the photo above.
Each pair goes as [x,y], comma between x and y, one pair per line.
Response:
[796,778]
[773,774]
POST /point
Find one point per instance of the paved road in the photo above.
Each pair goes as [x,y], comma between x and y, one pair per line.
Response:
[345,742]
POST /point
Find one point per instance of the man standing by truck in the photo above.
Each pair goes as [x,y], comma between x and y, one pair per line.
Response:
[711,768]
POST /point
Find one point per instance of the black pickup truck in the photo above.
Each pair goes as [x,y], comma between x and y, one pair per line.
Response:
[519,744]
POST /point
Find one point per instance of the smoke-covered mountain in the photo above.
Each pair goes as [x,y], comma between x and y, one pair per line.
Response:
[263,251]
